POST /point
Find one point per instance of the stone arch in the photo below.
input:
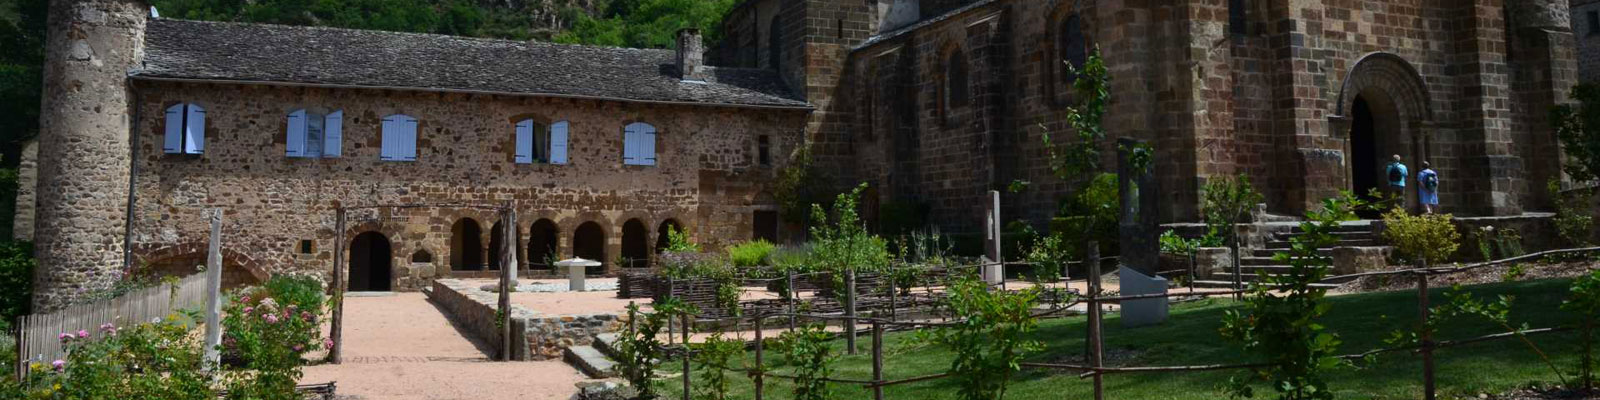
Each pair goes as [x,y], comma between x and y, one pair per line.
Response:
[466,245]
[635,244]
[661,232]
[238,269]
[589,242]
[1384,109]
[544,244]
[371,263]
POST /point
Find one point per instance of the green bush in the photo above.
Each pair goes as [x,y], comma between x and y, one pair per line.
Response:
[1428,237]
[806,349]
[845,245]
[713,355]
[145,361]
[1585,302]
[750,254]
[16,276]
[1573,219]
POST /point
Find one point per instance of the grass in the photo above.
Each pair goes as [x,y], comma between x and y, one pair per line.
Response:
[1190,337]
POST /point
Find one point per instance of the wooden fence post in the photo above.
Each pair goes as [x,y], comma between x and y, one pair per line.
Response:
[212,352]
[894,309]
[336,328]
[1427,333]
[794,294]
[686,325]
[1095,348]
[760,372]
[508,276]
[877,360]
[672,290]
[22,351]
[1238,272]
[850,311]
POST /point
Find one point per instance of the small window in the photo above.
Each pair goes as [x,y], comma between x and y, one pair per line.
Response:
[955,81]
[421,257]
[1594,22]
[314,135]
[764,150]
[1070,45]
[639,144]
[537,143]
[1236,17]
[186,129]
[399,138]
[305,247]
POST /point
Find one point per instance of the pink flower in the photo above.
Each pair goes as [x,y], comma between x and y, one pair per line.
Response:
[83,334]
[271,319]
[299,348]
[65,337]
[327,343]
[245,299]
[306,315]
[59,365]
[248,310]
[108,327]
[293,307]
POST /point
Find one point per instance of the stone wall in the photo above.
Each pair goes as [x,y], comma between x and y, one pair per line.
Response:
[706,179]
[1587,33]
[538,336]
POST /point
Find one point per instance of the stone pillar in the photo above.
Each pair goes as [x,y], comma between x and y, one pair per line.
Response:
[84,147]
[1545,66]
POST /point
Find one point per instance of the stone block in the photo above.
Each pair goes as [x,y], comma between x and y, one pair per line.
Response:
[1210,261]
[1147,311]
[1353,259]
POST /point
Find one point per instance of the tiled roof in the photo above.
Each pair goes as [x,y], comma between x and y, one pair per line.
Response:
[887,36]
[279,54]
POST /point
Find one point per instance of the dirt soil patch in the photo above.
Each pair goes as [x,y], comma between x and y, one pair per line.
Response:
[1499,273]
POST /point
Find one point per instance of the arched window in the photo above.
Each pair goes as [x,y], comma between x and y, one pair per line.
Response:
[537,143]
[314,135]
[399,138]
[639,144]
[956,90]
[1071,45]
[186,129]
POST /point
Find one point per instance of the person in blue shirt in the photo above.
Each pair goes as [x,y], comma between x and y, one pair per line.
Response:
[1396,189]
[1428,188]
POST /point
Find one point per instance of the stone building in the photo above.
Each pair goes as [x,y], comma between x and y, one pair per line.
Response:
[1586,34]
[934,102]
[150,123]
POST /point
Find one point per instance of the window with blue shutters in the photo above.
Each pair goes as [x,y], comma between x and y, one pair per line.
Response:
[314,135]
[540,144]
[185,129]
[399,138]
[639,144]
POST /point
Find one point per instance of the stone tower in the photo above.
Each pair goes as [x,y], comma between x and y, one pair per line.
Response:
[85,150]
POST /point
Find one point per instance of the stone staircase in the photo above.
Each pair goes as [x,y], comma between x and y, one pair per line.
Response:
[595,359]
[1255,262]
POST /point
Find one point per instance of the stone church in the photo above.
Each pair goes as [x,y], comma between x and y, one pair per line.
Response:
[149,123]
[935,102]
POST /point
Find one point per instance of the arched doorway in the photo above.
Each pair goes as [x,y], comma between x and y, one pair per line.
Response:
[497,238]
[370,259]
[589,242]
[1386,105]
[635,244]
[542,244]
[233,275]
[662,239]
[466,245]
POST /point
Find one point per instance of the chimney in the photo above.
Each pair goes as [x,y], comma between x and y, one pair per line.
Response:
[691,55]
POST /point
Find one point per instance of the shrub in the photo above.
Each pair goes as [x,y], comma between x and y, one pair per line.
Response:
[1428,237]
[1585,302]
[267,330]
[1049,257]
[1573,221]
[16,275]
[713,356]
[990,338]
[806,348]
[845,245]
[1227,202]
[145,361]
[639,346]
[750,254]
[678,241]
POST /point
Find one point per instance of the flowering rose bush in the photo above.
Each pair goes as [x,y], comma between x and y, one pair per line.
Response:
[146,361]
[266,333]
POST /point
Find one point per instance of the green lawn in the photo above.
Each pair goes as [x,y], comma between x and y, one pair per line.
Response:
[1190,337]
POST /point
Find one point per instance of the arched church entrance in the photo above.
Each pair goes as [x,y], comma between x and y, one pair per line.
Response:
[1386,104]
[370,263]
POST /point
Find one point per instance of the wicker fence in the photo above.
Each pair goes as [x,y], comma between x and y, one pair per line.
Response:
[38,334]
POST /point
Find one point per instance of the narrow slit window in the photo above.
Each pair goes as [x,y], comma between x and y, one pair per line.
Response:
[764,150]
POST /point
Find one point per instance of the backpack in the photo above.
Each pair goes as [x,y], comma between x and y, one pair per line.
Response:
[1394,174]
[1432,182]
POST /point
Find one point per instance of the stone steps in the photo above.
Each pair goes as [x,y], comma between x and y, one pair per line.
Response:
[591,361]
[607,344]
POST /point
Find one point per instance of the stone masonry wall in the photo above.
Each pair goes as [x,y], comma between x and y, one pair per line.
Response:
[538,336]
[83,147]
[707,177]
[1587,34]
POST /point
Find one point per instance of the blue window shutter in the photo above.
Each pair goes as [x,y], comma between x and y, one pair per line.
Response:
[558,143]
[174,134]
[296,143]
[649,139]
[194,130]
[333,135]
[390,141]
[630,144]
[409,126]
[525,142]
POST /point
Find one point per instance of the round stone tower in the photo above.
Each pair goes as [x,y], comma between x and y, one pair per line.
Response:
[85,149]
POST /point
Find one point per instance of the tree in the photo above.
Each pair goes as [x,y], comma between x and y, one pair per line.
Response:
[1578,128]
[649,23]
[21,76]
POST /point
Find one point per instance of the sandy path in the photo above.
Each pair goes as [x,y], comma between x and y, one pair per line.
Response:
[402,347]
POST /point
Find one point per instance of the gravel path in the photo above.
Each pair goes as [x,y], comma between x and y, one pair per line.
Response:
[402,347]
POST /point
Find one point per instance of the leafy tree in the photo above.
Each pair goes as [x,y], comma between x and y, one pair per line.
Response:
[1070,162]
[16,275]
[806,349]
[21,76]
[990,340]
[1227,202]
[1578,128]
[1585,302]
[649,23]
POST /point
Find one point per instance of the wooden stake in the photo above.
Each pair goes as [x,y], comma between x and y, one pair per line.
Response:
[336,333]
[877,360]
[213,339]
[1427,334]
[793,294]
[850,311]
[1095,347]
[686,385]
[760,372]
